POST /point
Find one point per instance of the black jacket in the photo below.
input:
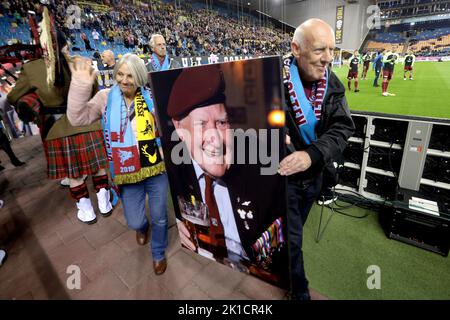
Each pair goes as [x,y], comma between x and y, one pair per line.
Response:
[332,131]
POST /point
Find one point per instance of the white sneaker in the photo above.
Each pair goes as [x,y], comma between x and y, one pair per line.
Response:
[2,256]
[404,78]
[385,94]
[410,78]
[65,182]
[104,203]
[86,212]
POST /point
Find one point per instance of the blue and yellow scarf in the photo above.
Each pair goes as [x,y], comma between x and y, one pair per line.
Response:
[131,160]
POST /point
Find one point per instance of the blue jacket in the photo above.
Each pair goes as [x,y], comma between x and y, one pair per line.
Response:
[378,62]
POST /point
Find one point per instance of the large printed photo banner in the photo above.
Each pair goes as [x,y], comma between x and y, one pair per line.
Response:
[220,128]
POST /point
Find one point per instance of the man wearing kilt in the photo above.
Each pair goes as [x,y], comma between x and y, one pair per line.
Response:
[40,95]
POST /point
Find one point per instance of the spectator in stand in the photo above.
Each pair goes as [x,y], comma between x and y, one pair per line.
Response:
[106,70]
[160,60]
[111,34]
[85,39]
[96,38]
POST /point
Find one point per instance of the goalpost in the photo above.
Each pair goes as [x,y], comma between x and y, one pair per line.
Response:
[341,56]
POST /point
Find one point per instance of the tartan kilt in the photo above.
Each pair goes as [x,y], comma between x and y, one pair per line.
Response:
[76,155]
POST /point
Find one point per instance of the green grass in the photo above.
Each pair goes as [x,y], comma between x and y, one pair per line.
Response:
[337,265]
[427,95]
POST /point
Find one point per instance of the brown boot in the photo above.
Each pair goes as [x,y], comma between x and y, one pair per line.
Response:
[160,266]
[141,238]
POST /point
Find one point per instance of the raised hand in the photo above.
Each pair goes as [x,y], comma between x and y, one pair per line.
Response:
[81,69]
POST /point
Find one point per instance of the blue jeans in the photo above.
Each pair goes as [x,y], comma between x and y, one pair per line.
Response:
[301,197]
[133,201]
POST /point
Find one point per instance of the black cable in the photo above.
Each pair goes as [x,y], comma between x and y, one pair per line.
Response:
[350,215]
[366,204]
[359,202]
[362,201]
[344,206]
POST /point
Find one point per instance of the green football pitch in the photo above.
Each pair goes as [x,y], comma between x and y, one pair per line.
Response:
[428,94]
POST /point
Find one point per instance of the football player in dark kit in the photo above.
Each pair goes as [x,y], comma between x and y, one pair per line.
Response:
[390,59]
[366,64]
[353,71]
[410,58]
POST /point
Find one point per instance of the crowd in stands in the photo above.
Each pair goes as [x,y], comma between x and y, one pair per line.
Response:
[188,29]
[192,30]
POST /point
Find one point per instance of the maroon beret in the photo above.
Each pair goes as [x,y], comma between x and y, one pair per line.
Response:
[195,88]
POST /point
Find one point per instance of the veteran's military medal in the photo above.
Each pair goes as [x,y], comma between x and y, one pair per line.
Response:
[271,240]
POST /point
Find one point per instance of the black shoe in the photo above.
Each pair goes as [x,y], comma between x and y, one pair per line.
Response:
[357,90]
[376,85]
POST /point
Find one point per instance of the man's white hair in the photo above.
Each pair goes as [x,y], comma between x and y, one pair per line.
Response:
[136,66]
[153,37]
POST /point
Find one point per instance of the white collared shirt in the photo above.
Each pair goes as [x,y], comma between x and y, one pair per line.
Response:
[222,196]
